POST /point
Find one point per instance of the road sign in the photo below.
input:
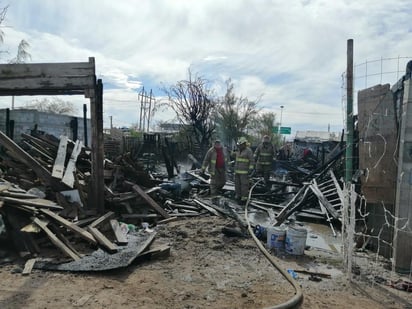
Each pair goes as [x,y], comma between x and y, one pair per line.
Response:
[275,130]
[285,130]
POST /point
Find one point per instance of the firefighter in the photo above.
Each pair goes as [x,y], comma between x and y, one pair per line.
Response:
[216,160]
[263,156]
[244,164]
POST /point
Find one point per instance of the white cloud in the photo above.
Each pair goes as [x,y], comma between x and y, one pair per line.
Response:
[292,52]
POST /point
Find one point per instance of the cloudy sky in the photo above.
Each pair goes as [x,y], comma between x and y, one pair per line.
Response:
[287,53]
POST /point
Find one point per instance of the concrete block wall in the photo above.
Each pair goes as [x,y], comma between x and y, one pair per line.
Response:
[25,120]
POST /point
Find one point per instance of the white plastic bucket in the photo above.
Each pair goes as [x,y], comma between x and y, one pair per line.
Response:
[275,237]
[295,241]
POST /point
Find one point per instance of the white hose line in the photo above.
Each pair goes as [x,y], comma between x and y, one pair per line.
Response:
[296,300]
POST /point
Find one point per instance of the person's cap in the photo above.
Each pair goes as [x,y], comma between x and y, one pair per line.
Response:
[266,137]
[242,140]
[217,141]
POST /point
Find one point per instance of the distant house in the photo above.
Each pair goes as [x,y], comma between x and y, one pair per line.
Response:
[320,143]
[170,127]
[317,136]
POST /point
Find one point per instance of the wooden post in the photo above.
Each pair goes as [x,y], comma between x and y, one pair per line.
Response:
[349,114]
[85,124]
[8,122]
[97,201]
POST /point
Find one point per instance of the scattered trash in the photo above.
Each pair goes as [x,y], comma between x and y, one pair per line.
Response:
[403,285]
[146,228]
[260,232]
[292,273]
[314,278]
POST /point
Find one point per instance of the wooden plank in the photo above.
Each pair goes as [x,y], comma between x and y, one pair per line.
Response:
[160,251]
[150,201]
[30,210]
[59,244]
[85,221]
[47,140]
[37,202]
[121,238]
[103,218]
[45,85]
[24,157]
[32,78]
[102,240]
[18,195]
[181,206]
[165,221]
[139,216]
[205,181]
[124,197]
[58,167]
[71,226]
[28,266]
[38,151]
[48,148]
[68,177]
[55,229]
[46,69]
[208,208]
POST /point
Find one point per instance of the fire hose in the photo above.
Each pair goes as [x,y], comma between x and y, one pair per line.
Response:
[296,300]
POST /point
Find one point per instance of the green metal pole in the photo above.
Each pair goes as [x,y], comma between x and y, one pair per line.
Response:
[349,113]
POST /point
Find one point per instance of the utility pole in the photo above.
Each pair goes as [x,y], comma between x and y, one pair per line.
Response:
[281,113]
[146,109]
[349,113]
[280,123]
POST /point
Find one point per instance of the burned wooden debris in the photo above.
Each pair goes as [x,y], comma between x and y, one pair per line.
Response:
[45,190]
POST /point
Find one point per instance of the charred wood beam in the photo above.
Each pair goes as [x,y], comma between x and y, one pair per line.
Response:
[71,226]
[102,240]
[39,152]
[324,168]
[150,201]
[28,160]
[102,219]
[295,204]
[50,149]
[55,240]
[37,202]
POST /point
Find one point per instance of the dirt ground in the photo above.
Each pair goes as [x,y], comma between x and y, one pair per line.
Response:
[205,269]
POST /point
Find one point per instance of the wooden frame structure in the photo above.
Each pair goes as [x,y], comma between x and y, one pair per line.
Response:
[71,78]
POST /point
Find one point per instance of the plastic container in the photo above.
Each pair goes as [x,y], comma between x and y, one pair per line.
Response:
[276,237]
[295,241]
[260,232]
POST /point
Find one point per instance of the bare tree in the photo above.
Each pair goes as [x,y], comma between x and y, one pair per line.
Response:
[263,124]
[193,104]
[52,105]
[22,53]
[234,115]
[3,12]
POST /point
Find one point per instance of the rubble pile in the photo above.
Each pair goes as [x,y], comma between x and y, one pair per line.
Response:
[44,201]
